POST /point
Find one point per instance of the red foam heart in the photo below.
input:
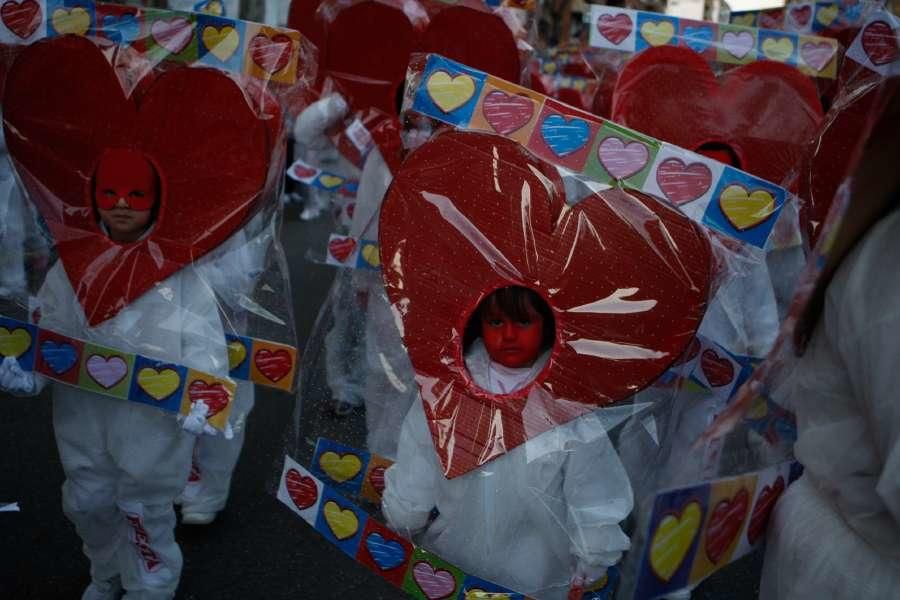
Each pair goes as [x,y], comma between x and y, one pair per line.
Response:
[764,111]
[214,395]
[451,235]
[376,478]
[64,105]
[682,183]
[301,488]
[801,14]
[22,18]
[615,28]
[273,365]
[507,113]
[718,370]
[271,54]
[879,42]
[341,248]
[759,518]
[725,523]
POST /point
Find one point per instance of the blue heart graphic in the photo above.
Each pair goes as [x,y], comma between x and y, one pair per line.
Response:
[698,39]
[59,357]
[123,28]
[387,554]
[564,137]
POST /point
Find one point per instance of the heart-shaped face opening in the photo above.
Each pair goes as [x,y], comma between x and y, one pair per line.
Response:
[625,278]
[171,167]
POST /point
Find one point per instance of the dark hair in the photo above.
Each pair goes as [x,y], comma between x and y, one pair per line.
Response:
[513,301]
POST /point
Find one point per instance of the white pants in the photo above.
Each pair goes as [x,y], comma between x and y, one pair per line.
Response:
[124,463]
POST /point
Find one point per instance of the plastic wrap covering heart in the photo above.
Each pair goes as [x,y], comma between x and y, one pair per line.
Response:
[65,106]
[626,278]
[759,116]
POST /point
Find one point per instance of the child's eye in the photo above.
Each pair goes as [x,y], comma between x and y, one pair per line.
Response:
[137,193]
[109,193]
[525,322]
[495,322]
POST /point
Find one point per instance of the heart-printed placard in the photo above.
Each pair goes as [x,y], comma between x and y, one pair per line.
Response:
[340,467]
[620,159]
[301,488]
[222,42]
[75,21]
[738,44]
[682,182]
[879,42]
[182,105]
[507,113]
[341,248]
[765,502]
[387,554]
[718,370]
[158,384]
[237,353]
[450,92]
[301,171]
[215,395]
[746,209]
[271,54]
[14,343]
[725,524]
[657,33]
[615,28]
[172,34]
[672,540]
[59,356]
[273,364]
[21,17]
[781,49]
[342,522]
[106,371]
[817,54]
[435,583]
[564,136]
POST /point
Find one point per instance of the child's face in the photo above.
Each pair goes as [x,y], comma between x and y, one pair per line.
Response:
[125,192]
[511,342]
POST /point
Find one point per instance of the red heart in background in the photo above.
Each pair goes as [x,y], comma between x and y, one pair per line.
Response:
[725,523]
[718,370]
[376,478]
[507,113]
[22,18]
[304,172]
[273,365]
[453,234]
[615,28]
[214,395]
[301,489]
[764,111]
[879,43]
[801,14]
[341,248]
[194,124]
[771,19]
[759,518]
[271,54]
[682,183]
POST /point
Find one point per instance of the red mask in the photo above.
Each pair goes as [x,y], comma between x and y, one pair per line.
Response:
[511,342]
[125,175]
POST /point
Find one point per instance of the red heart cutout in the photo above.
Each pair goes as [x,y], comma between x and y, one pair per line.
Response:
[801,14]
[341,248]
[615,28]
[507,113]
[682,183]
[214,395]
[22,18]
[194,124]
[301,488]
[376,478]
[271,54]
[451,235]
[725,523]
[718,370]
[304,172]
[273,365]
[764,111]
[879,42]
[759,518]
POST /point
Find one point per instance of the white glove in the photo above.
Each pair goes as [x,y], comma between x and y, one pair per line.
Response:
[196,422]
[14,379]
[316,119]
[587,575]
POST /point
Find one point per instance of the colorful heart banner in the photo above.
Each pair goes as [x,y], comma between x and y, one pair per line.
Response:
[806,16]
[303,172]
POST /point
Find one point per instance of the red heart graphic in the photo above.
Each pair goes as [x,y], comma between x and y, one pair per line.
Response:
[341,248]
[376,478]
[301,488]
[451,235]
[764,111]
[682,183]
[271,54]
[718,370]
[507,113]
[22,18]
[214,395]
[172,34]
[304,172]
[725,523]
[182,120]
[801,15]
[759,518]
[615,28]
[879,43]
[771,19]
[273,365]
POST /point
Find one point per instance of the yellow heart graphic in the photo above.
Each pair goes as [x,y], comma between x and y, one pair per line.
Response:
[14,343]
[222,43]
[237,352]
[370,255]
[479,594]
[340,468]
[745,210]
[748,20]
[827,15]
[76,21]
[331,181]
[449,93]
[672,540]
[758,409]
[549,67]
[779,50]
[159,385]
[342,522]
[657,33]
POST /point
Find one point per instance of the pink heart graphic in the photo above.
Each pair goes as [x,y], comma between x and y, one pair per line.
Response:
[172,34]
[817,55]
[738,44]
[435,583]
[683,183]
[107,372]
[622,160]
[615,28]
[507,113]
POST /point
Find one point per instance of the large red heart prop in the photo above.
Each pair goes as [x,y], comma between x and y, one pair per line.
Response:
[725,523]
[764,112]
[626,278]
[65,105]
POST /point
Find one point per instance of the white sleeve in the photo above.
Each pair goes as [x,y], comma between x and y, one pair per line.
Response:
[316,119]
[373,185]
[202,335]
